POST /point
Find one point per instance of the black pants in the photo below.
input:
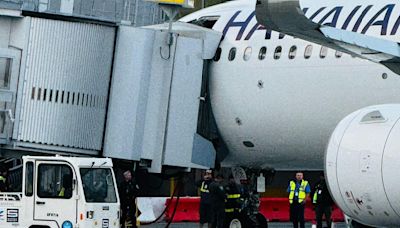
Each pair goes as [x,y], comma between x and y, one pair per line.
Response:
[297,214]
[128,214]
[218,217]
[321,210]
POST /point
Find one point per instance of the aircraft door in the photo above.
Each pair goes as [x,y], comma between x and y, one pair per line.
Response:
[9,72]
[56,193]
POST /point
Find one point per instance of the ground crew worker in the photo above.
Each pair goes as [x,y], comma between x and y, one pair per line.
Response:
[323,202]
[217,197]
[128,191]
[232,202]
[205,201]
[3,180]
[298,190]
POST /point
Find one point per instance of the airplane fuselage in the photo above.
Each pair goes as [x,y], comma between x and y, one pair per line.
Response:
[278,109]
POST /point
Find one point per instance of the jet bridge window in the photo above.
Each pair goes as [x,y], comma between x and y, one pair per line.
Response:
[206,21]
[278,52]
[308,51]
[247,53]
[262,53]
[292,52]
[324,52]
[232,54]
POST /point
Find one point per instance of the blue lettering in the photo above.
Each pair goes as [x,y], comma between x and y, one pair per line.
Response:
[357,25]
[242,25]
[395,27]
[336,11]
[316,13]
[350,17]
[383,23]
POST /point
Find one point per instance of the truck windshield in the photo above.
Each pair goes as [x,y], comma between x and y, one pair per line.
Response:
[98,185]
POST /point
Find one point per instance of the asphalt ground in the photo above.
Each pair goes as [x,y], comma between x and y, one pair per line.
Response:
[196,225]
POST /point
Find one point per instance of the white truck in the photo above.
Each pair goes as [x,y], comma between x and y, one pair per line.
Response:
[63,192]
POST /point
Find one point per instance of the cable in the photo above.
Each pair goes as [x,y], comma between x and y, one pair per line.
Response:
[166,207]
[176,205]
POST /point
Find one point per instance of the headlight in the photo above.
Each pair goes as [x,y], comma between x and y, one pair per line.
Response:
[67,224]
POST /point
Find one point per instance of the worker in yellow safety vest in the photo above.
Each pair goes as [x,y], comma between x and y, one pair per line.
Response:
[233,200]
[205,200]
[323,202]
[299,190]
[3,179]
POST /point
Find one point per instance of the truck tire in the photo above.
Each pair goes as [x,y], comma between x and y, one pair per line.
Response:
[262,221]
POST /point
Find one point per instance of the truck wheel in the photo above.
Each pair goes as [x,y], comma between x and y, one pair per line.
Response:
[235,223]
[262,221]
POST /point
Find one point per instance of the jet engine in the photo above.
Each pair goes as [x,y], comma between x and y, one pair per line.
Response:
[362,162]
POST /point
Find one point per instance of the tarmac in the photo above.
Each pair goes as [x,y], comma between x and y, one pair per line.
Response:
[270,225]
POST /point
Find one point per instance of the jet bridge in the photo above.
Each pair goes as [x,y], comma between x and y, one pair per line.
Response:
[96,89]
[155,96]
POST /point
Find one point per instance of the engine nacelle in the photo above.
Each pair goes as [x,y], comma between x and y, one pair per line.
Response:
[361,165]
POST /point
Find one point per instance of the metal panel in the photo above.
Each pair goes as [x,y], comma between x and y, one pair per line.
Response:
[66,84]
[184,102]
[126,113]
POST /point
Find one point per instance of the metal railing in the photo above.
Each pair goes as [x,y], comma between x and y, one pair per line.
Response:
[137,12]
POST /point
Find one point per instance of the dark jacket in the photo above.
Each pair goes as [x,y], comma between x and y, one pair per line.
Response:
[217,195]
[204,186]
[128,190]
[321,192]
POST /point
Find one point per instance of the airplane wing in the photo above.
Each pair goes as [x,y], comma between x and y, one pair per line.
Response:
[286,16]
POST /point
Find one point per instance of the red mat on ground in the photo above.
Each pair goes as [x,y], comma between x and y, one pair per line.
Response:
[274,209]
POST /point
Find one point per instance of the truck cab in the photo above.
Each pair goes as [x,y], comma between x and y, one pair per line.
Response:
[63,192]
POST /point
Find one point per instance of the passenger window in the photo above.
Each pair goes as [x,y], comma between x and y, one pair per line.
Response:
[292,52]
[247,54]
[338,54]
[324,52]
[217,54]
[308,51]
[262,53]
[54,181]
[278,52]
[29,179]
[232,54]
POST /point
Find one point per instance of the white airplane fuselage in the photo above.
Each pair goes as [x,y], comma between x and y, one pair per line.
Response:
[280,113]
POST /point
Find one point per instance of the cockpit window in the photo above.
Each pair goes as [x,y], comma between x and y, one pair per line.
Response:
[206,21]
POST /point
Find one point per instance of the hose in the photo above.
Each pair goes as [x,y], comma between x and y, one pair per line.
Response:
[177,187]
